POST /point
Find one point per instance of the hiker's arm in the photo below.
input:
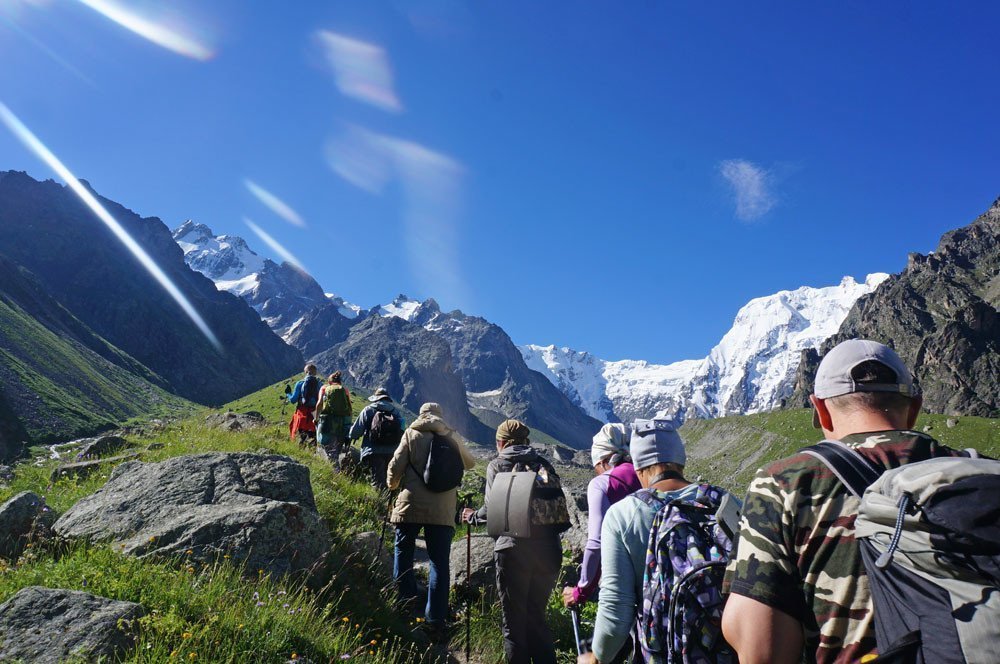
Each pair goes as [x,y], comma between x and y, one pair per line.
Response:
[360,425]
[479,518]
[763,579]
[617,607]
[759,633]
[468,461]
[400,460]
[590,570]
[296,393]
[319,400]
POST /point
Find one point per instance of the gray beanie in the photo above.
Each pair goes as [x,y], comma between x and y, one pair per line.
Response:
[656,441]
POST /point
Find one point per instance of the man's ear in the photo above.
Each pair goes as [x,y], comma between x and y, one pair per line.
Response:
[916,403]
[821,414]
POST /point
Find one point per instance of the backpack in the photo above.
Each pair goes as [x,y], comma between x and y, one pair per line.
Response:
[929,536]
[386,429]
[310,392]
[686,556]
[336,402]
[444,468]
[527,501]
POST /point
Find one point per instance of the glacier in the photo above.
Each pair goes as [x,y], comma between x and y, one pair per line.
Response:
[752,368]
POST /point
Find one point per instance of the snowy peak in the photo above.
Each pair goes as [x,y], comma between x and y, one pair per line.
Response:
[751,369]
[401,307]
[224,258]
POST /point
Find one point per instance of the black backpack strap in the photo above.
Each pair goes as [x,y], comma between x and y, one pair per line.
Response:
[854,470]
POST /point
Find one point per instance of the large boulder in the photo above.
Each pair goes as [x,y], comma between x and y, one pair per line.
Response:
[484,574]
[93,448]
[22,518]
[257,509]
[575,539]
[46,626]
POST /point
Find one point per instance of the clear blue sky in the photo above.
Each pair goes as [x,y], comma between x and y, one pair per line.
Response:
[568,170]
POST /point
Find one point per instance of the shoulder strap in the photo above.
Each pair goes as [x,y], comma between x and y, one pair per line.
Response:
[850,467]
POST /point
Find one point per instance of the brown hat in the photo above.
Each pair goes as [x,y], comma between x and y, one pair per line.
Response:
[513,431]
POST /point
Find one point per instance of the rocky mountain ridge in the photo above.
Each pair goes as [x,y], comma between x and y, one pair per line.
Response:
[941,315]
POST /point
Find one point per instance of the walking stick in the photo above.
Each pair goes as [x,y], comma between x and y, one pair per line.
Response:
[575,615]
[468,594]
[385,524]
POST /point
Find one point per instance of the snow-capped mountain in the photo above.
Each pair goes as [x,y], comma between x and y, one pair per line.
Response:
[281,294]
[750,370]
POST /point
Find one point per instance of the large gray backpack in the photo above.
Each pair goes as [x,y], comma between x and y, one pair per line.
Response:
[929,534]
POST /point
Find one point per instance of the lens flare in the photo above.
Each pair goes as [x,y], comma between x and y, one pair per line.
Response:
[361,69]
[275,204]
[35,145]
[173,39]
[275,245]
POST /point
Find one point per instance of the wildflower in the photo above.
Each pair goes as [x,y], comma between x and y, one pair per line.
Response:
[240,626]
[259,604]
[192,655]
[373,642]
[420,620]
[295,655]
[285,605]
[346,655]
[346,619]
[186,635]
[173,653]
[190,570]
[189,552]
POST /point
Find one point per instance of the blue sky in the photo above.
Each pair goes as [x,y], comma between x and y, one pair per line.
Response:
[615,177]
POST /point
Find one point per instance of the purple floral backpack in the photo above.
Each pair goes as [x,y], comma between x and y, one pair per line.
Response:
[686,557]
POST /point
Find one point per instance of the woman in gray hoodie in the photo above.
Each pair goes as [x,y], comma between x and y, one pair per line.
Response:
[417,507]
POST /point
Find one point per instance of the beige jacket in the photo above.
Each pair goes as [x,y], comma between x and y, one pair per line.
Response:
[416,503]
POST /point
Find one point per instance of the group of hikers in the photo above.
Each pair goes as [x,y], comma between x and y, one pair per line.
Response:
[876,544]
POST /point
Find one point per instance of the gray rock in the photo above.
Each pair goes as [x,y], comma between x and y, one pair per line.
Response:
[83,469]
[484,574]
[951,422]
[98,447]
[575,539]
[44,626]
[259,510]
[23,518]
[230,421]
[369,551]
[6,475]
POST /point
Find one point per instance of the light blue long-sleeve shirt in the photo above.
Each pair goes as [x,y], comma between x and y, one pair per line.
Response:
[624,536]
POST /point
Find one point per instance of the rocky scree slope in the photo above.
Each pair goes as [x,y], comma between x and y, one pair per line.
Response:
[752,369]
[58,379]
[940,314]
[46,229]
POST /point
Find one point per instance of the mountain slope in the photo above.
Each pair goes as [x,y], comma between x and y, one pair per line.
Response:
[46,229]
[941,316]
[414,365]
[58,380]
[281,294]
[752,369]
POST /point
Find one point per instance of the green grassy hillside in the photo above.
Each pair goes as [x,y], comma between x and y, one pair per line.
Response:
[729,450]
[58,388]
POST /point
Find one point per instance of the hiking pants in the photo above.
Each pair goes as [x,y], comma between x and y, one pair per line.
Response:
[378,466]
[438,541]
[526,576]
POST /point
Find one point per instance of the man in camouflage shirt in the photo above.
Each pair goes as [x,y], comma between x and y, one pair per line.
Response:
[798,586]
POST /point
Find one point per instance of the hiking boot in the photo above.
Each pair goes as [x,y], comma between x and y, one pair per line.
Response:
[437,631]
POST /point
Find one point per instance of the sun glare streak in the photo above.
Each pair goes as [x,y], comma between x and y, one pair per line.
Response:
[44,48]
[172,39]
[42,152]
[275,204]
[275,245]
[361,69]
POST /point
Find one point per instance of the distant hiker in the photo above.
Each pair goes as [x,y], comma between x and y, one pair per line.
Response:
[427,467]
[380,426]
[615,479]
[651,542]
[799,585]
[333,417]
[527,567]
[304,396]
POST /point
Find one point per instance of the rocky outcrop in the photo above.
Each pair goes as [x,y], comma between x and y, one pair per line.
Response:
[257,509]
[230,421]
[484,571]
[940,314]
[22,518]
[45,228]
[46,626]
[100,446]
[320,329]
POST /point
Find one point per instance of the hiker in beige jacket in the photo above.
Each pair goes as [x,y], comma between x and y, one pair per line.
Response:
[417,507]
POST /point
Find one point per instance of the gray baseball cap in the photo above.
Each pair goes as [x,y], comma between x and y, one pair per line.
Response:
[834,379]
[656,441]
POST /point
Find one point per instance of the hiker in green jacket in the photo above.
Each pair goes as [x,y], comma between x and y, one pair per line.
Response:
[333,417]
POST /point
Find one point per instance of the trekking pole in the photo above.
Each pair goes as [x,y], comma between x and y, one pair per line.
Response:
[575,615]
[468,591]
[385,524]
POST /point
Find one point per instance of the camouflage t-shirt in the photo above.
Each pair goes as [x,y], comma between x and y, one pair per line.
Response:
[797,552]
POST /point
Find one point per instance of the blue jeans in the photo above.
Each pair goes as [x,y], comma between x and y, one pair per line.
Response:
[438,540]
